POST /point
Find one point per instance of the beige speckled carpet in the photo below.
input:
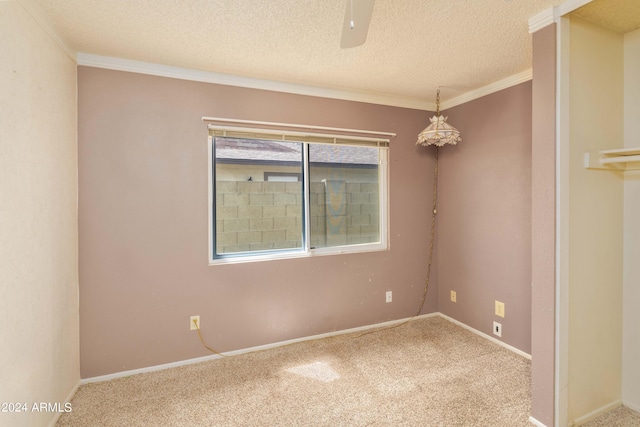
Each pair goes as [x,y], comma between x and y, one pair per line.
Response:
[427,372]
[620,417]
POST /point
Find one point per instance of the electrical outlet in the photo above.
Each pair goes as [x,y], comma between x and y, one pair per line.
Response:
[499,309]
[453,296]
[193,321]
[389,296]
[497,329]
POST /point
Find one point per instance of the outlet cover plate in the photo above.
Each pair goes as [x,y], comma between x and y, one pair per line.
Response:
[499,309]
[192,327]
[497,329]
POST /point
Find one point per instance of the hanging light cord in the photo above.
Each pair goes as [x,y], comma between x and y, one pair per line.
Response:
[433,230]
[434,212]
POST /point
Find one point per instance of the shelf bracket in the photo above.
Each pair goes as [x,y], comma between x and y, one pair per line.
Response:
[624,159]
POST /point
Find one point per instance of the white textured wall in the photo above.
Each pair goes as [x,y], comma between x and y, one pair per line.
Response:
[595,221]
[38,218]
[631,314]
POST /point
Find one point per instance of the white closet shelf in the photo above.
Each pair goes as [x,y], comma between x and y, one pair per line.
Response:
[622,159]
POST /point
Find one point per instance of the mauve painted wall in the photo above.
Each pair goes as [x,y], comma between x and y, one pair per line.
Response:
[543,214]
[143,227]
[484,215]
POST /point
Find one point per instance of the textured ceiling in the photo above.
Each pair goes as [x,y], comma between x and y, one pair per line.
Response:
[413,46]
[621,16]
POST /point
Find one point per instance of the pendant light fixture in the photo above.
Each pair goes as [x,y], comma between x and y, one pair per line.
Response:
[439,132]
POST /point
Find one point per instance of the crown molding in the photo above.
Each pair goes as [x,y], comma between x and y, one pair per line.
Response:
[536,22]
[505,83]
[132,66]
[541,20]
[119,64]
[35,12]
[551,15]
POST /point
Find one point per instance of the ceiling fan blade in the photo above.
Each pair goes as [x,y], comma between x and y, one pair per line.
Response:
[358,13]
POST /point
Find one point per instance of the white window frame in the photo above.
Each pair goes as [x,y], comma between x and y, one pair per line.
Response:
[345,137]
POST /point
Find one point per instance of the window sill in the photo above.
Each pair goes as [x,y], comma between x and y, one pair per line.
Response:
[342,250]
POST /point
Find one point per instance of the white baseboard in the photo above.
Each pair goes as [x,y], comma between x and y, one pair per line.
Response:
[246,350]
[488,337]
[594,414]
[536,422]
[281,343]
[631,406]
[57,415]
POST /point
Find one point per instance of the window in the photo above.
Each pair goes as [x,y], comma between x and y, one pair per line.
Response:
[282,176]
[289,194]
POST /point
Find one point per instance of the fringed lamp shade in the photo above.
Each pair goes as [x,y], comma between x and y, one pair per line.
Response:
[439,132]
